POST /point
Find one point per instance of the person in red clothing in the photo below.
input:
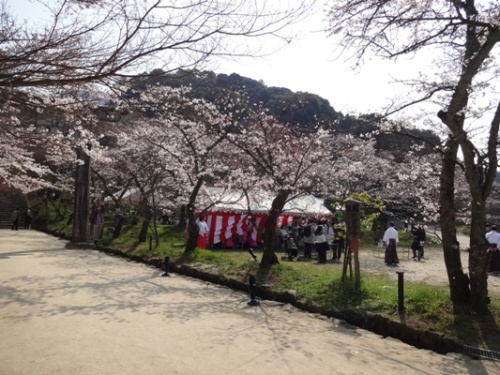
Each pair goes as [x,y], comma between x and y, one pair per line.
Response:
[202,232]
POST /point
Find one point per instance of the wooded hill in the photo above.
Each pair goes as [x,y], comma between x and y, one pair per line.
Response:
[298,109]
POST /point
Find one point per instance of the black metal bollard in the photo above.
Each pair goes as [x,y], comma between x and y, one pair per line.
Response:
[166,264]
[252,288]
[401,292]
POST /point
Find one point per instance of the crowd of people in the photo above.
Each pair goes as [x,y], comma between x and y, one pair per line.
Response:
[318,237]
[312,237]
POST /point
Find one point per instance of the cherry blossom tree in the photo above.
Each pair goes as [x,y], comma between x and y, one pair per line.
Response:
[71,121]
[76,42]
[461,36]
[147,168]
[191,134]
[284,162]
[18,166]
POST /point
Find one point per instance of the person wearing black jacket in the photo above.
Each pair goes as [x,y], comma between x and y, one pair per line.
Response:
[419,237]
[15,219]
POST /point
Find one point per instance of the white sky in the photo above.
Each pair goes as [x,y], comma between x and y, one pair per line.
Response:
[308,64]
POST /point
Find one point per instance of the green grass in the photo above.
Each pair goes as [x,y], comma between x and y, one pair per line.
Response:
[464,229]
[427,306]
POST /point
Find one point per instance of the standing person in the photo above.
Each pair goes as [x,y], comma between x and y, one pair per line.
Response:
[338,243]
[391,240]
[15,219]
[489,232]
[321,242]
[97,221]
[28,220]
[284,238]
[330,235]
[309,239]
[492,259]
[415,245]
[293,252]
[202,232]
[295,229]
[421,236]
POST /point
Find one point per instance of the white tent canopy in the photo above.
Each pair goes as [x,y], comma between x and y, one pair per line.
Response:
[227,200]
[260,202]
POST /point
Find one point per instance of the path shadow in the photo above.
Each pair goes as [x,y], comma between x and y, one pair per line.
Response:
[25,252]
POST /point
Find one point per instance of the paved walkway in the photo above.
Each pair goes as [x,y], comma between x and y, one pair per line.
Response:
[82,312]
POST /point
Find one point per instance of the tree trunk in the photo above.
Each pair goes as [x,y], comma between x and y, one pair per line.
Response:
[477,254]
[269,256]
[182,217]
[143,235]
[458,280]
[192,226]
[81,209]
[155,225]
[192,232]
[119,221]
[480,177]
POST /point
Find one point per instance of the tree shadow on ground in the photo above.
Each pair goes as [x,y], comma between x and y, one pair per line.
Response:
[477,330]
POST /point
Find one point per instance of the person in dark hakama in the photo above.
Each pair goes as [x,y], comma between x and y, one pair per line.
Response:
[391,240]
[492,260]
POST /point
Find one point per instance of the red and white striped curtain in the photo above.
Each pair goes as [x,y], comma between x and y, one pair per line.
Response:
[226,225]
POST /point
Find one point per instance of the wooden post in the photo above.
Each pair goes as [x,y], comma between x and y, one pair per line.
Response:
[81,210]
[353,221]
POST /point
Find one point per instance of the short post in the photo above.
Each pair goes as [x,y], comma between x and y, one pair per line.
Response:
[401,292]
[353,226]
[252,288]
[150,243]
[166,264]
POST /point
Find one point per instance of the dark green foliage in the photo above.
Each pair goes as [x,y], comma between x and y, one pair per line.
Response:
[399,144]
[362,124]
[301,109]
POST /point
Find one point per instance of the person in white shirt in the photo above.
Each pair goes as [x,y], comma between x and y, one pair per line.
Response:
[309,239]
[391,240]
[321,242]
[492,260]
[202,232]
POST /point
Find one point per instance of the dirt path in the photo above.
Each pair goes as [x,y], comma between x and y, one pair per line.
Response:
[431,269]
[81,312]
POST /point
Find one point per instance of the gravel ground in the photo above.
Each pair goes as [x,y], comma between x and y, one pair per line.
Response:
[431,269]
